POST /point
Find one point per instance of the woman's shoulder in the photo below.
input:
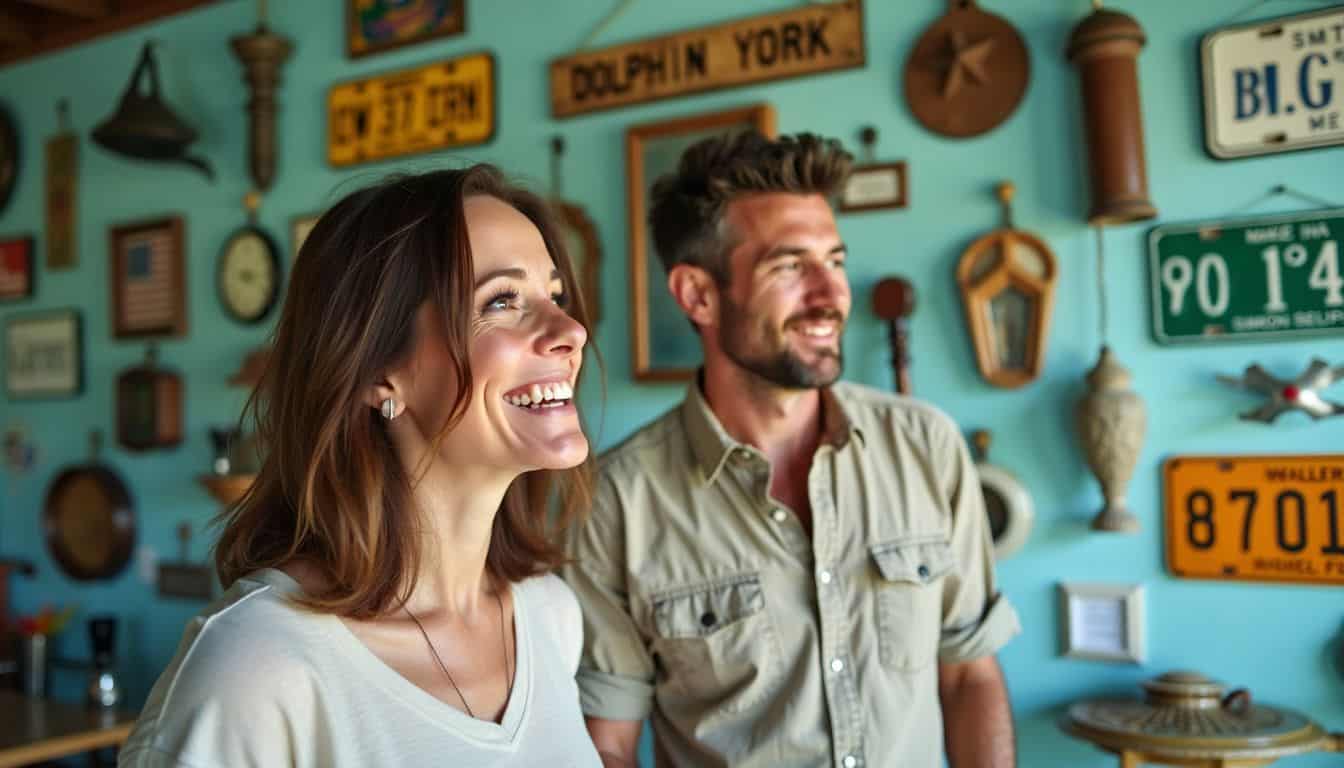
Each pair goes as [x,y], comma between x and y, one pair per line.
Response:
[551,604]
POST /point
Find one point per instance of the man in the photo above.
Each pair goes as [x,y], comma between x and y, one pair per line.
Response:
[785,570]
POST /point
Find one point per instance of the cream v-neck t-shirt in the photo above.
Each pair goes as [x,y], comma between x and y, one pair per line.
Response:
[259,682]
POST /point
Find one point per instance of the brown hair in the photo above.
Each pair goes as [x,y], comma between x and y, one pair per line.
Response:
[331,490]
[688,204]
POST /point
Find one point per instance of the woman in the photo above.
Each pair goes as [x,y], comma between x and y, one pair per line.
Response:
[390,602]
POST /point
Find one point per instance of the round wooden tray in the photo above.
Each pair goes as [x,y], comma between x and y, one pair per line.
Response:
[227,489]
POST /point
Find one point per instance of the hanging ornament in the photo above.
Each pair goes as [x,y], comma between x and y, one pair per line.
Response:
[62,181]
[262,54]
[1300,394]
[894,302]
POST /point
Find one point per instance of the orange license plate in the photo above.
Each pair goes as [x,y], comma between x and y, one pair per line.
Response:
[1256,518]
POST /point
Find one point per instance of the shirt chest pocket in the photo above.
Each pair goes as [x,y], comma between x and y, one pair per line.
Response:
[715,646]
[910,573]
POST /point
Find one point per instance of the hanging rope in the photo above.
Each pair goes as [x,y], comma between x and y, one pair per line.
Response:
[606,22]
[1103,320]
[1285,190]
[1259,3]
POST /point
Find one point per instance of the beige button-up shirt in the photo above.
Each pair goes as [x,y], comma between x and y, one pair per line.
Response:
[707,604]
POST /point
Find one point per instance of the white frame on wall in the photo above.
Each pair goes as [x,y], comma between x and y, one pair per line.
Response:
[1116,613]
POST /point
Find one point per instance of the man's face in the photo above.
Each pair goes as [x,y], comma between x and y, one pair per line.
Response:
[787,299]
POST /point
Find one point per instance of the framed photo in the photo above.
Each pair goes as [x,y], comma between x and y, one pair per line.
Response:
[875,187]
[149,286]
[374,26]
[1103,622]
[16,268]
[664,347]
[299,227]
[44,355]
[585,253]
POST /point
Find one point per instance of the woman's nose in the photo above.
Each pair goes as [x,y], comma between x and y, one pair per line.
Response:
[563,334]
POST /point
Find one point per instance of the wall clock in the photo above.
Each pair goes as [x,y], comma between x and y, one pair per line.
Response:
[9,157]
[249,275]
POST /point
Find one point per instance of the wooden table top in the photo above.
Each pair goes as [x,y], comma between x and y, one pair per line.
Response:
[32,730]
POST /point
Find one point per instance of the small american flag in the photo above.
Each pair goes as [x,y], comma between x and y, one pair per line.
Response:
[148,298]
[15,269]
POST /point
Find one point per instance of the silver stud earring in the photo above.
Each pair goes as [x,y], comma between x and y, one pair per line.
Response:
[389,409]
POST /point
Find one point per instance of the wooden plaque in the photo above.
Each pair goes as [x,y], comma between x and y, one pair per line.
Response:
[62,184]
[800,41]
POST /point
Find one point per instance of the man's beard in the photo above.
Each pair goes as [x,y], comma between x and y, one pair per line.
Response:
[782,368]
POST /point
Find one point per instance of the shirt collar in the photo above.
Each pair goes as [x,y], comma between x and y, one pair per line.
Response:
[711,445]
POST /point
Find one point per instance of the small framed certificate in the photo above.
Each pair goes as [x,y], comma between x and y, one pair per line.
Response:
[1102,622]
[875,187]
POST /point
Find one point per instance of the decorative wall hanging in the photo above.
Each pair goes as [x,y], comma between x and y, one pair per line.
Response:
[894,302]
[1268,85]
[967,73]
[44,356]
[149,405]
[1300,394]
[580,235]
[144,127]
[819,37]
[17,274]
[149,284]
[19,449]
[299,227]
[1105,48]
[873,186]
[1262,277]
[183,578]
[446,104]
[1103,622]
[62,179]
[9,157]
[1007,503]
[1255,518]
[248,276]
[262,53]
[1187,719]
[1007,283]
[1111,422]
[664,347]
[89,519]
[374,26]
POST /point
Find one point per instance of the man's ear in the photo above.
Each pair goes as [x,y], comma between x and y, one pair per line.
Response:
[696,292]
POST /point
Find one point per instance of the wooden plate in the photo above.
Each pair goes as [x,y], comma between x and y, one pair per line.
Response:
[89,522]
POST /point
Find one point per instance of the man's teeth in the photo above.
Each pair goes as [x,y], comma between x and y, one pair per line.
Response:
[543,396]
[825,329]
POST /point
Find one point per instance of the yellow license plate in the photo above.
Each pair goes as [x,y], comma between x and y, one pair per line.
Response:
[1256,518]
[446,104]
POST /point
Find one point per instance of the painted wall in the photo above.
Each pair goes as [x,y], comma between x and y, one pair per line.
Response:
[1272,639]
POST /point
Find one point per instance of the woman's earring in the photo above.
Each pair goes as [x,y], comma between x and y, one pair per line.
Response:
[389,409]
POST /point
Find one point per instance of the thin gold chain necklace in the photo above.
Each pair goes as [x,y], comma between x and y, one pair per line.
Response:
[508,670]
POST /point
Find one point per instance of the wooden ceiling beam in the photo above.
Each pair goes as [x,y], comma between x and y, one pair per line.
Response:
[15,28]
[55,37]
[84,9]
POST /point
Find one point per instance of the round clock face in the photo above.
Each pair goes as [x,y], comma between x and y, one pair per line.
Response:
[9,157]
[249,275]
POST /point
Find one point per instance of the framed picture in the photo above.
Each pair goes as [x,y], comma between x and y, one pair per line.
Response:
[1102,622]
[16,268]
[299,227]
[374,26]
[44,355]
[664,346]
[149,286]
[875,187]
[585,253]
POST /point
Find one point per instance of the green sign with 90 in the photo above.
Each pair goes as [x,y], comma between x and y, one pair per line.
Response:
[1254,278]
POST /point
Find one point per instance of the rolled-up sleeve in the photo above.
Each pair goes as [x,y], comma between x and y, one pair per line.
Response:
[615,676]
[977,619]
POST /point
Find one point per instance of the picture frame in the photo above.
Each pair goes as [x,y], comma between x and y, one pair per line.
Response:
[663,345]
[585,254]
[18,274]
[375,26]
[875,187]
[149,287]
[1103,622]
[44,355]
[299,227]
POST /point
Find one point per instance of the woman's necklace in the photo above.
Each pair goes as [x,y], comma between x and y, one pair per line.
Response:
[508,670]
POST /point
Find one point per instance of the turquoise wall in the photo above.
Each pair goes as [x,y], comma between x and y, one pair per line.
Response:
[1270,638]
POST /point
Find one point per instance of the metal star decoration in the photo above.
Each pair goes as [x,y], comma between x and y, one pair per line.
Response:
[1300,394]
[967,62]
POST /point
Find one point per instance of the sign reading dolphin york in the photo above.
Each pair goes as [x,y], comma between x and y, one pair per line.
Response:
[815,38]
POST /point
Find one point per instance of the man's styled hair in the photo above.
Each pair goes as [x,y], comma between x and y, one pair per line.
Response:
[688,204]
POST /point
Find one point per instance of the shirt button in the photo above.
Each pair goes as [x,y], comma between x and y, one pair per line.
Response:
[825,577]
[837,665]
[708,619]
[849,762]
[778,515]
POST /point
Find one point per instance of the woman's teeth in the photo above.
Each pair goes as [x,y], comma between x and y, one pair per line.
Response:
[543,396]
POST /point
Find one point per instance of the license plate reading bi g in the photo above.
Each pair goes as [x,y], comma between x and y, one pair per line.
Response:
[1256,518]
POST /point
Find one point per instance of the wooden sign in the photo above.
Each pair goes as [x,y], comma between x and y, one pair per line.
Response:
[1274,85]
[1277,276]
[802,41]
[62,182]
[446,104]
[1256,518]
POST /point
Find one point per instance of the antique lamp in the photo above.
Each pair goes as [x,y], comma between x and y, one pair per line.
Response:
[149,405]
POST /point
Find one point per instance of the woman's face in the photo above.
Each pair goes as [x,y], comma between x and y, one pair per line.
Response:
[525,352]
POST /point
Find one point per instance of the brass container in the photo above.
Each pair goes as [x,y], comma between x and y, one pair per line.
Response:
[1186,720]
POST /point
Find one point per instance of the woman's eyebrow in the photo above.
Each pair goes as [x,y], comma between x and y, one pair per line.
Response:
[514,272]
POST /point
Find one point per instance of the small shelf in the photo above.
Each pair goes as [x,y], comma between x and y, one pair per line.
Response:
[227,489]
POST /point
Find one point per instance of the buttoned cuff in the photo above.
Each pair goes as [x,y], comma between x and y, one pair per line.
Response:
[977,641]
[613,697]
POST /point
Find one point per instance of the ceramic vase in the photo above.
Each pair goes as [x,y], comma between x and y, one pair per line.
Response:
[1111,422]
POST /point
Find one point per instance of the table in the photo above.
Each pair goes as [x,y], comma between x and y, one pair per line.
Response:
[32,730]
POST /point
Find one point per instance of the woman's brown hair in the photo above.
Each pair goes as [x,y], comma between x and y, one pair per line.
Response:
[331,490]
